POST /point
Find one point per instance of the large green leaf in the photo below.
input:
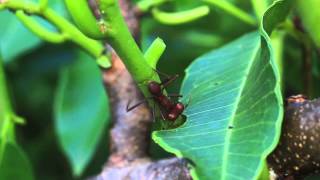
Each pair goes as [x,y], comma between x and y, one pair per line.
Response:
[235,107]
[81,111]
[234,114]
[14,163]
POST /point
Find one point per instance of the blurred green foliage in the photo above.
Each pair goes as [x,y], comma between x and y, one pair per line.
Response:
[33,67]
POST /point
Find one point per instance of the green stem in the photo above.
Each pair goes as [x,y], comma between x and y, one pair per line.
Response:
[39,30]
[277,39]
[94,47]
[124,44]
[68,30]
[233,10]
[6,124]
[5,104]
[259,6]
[145,5]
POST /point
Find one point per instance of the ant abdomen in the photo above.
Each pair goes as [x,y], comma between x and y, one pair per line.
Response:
[172,116]
[179,107]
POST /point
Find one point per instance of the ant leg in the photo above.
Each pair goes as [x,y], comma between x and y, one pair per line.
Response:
[134,106]
[175,95]
[162,114]
[154,112]
[138,104]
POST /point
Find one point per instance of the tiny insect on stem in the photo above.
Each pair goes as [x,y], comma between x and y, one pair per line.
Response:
[172,109]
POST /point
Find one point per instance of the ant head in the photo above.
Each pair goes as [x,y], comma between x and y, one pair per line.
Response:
[179,106]
[172,116]
[154,88]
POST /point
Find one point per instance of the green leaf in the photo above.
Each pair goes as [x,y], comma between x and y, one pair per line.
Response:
[276,14]
[14,163]
[81,111]
[234,113]
[14,37]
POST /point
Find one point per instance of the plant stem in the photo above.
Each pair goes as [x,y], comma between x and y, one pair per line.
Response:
[233,10]
[124,44]
[36,28]
[277,40]
[6,123]
[68,30]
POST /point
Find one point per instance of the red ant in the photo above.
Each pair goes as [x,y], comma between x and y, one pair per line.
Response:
[173,109]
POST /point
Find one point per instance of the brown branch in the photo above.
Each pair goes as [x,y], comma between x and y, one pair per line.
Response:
[130,129]
[297,154]
[161,170]
[130,134]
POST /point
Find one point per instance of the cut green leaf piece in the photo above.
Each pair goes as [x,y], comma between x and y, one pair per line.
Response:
[234,112]
[154,52]
[14,163]
[81,111]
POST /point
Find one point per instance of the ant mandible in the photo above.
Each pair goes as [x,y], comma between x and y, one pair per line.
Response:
[172,109]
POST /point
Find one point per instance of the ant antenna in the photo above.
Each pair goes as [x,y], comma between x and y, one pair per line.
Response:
[175,95]
[166,82]
[168,79]
[163,74]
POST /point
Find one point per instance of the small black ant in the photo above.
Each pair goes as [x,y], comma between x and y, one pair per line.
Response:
[173,109]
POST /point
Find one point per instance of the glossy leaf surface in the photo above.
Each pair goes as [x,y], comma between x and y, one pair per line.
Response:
[234,114]
[81,111]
